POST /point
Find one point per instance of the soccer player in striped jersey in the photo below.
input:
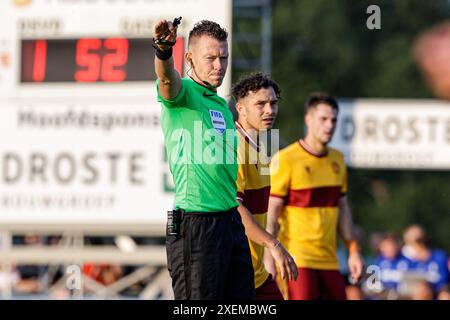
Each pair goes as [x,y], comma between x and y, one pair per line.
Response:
[308,206]
[257,98]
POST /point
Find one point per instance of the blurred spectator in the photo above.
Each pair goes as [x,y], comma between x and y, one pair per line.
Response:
[7,280]
[444,293]
[354,292]
[32,279]
[448,264]
[423,290]
[36,279]
[430,263]
[392,263]
[375,239]
[432,53]
[103,273]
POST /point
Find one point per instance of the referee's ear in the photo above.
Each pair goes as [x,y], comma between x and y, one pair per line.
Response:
[188,58]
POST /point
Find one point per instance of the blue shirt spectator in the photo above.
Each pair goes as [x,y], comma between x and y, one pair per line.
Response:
[434,269]
[392,263]
[429,263]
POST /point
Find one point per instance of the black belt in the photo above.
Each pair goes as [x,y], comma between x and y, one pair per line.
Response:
[210,214]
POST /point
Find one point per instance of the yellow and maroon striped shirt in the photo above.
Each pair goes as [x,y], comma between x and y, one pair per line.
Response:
[311,185]
[253,186]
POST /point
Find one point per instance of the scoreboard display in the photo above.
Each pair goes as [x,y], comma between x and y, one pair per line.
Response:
[91,60]
[50,47]
[81,139]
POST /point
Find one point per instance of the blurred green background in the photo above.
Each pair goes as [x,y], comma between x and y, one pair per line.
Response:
[325,45]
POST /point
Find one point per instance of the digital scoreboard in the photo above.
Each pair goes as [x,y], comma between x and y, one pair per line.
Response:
[91,60]
[79,119]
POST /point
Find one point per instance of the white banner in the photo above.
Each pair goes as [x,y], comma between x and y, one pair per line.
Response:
[84,162]
[403,134]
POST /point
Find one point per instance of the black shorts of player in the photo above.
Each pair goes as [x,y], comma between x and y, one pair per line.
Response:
[211,259]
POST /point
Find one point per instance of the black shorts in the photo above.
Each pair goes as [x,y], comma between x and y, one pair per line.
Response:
[211,258]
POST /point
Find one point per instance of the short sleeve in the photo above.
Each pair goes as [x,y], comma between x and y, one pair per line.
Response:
[241,180]
[280,176]
[179,100]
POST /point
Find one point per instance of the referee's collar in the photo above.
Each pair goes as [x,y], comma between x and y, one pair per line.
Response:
[207,92]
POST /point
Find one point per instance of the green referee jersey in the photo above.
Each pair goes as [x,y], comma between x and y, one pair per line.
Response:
[201,141]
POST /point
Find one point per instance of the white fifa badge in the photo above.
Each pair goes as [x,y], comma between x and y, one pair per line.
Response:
[218,121]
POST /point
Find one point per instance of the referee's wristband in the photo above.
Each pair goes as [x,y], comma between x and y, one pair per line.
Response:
[164,54]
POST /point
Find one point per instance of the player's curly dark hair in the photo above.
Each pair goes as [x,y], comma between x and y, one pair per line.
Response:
[208,28]
[253,82]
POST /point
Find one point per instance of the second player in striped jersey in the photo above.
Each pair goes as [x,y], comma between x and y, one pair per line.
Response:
[257,98]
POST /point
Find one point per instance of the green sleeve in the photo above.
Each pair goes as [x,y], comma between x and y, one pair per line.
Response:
[178,101]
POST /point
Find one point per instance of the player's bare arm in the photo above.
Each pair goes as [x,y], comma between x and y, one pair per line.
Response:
[274,211]
[165,35]
[345,228]
[256,233]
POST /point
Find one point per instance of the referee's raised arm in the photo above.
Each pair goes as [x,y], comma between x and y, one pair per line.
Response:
[164,37]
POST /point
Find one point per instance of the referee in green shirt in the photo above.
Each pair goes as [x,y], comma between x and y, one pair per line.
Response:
[209,256]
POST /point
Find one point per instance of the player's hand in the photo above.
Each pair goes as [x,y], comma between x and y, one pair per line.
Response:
[165,30]
[285,262]
[269,263]
[356,265]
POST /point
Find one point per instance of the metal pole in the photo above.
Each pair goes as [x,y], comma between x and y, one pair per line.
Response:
[266,46]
